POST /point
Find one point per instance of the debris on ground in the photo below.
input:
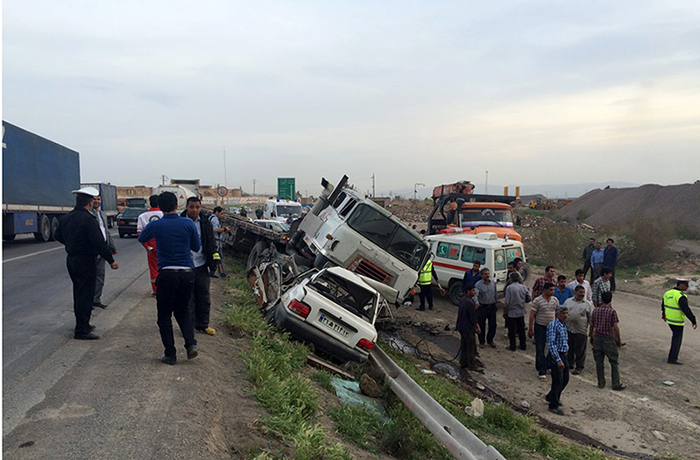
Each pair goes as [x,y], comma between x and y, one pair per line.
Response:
[349,392]
[476,409]
[668,383]
[369,387]
[659,435]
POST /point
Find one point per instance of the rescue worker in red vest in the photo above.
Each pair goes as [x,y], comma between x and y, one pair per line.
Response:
[674,310]
[425,280]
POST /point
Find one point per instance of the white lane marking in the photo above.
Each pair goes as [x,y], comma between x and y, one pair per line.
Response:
[32,254]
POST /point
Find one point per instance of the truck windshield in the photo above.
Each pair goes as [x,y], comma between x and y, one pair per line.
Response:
[283,210]
[478,217]
[388,235]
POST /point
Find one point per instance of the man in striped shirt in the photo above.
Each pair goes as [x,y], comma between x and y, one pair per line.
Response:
[601,285]
[558,344]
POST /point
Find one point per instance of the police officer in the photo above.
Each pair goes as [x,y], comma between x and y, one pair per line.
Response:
[674,310]
[425,279]
[80,233]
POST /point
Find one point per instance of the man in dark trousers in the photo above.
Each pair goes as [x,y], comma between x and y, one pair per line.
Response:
[587,253]
[175,237]
[487,295]
[605,339]
[425,281]
[674,310]
[558,344]
[80,233]
[203,261]
[610,256]
[467,326]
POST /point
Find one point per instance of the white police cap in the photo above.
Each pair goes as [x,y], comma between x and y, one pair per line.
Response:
[92,191]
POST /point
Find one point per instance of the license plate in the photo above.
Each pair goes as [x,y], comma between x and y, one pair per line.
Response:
[334,326]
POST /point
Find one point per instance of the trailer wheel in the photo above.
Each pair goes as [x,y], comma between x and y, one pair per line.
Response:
[9,237]
[44,233]
[54,228]
[255,254]
[455,292]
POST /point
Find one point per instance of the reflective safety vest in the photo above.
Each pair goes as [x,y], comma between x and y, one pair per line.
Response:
[426,274]
[216,256]
[672,309]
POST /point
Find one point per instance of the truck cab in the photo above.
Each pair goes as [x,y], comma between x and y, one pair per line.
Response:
[456,253]
[280,210]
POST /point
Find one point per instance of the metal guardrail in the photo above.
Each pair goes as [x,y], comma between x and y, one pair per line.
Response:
[458,440]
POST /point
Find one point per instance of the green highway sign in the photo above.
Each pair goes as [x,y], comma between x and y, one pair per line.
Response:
[286,189]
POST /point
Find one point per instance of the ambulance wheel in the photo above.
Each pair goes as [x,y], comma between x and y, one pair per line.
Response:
[455,292]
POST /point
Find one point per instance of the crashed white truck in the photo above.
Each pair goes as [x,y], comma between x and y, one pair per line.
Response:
[373,252]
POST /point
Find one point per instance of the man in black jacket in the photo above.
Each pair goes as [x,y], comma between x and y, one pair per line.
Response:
[468,326]
[80,233]
[203,259]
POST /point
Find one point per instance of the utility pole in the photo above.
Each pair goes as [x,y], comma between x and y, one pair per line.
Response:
[253,187]
[415,189]
[225,178]
[373,189]
[486,188]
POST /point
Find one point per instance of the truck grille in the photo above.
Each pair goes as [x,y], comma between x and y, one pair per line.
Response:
[362,267]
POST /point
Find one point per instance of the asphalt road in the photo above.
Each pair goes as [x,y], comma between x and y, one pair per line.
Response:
[37,299]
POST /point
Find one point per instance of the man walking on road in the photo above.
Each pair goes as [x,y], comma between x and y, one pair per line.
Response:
[488,296]
[100,264]
[610,256]
[558,344]
[580,311]
[542,313]
[587,253]
[601,286]
[151,250]
[606,340]
[203,261]
[175,237]
[674,310]
[548,277]
[517,296]
[467,326]
[80,233]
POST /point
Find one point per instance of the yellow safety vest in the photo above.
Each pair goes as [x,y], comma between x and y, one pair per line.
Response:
[672,309]
[426,274]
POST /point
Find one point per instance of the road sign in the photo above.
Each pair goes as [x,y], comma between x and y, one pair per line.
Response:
[286,189]
[222,191]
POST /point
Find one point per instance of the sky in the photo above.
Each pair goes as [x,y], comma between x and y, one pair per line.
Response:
[411,92]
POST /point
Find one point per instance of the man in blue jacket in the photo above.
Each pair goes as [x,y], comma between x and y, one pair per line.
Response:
[175,237]
[610,256]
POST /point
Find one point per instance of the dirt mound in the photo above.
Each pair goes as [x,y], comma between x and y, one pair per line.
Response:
[610,206]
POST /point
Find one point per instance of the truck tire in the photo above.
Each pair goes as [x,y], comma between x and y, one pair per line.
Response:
[320,261]
[9,237]
[54,228]
[255,254]
[455,292]
[526,272]
[121,234]
[44,233]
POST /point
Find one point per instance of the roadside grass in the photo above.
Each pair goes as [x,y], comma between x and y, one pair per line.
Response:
[274,368]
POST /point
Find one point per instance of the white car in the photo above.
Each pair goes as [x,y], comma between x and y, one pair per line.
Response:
[277,226]
[334,309]
[454,254]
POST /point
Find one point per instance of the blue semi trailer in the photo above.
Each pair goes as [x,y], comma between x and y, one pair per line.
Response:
[38,176]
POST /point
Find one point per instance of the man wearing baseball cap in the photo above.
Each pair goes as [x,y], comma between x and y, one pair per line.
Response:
[674,310]
[82,237]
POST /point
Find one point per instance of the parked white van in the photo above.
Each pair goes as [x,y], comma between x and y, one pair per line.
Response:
[455,253]
[281,209]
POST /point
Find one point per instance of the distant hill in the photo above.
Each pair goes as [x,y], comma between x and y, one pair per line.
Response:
[614,205]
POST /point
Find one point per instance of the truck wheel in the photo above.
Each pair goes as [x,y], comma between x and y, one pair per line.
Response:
[9,237]
[455,292]
[54,228]
[44,233]
[320,261]
[526,271]
[255,254]
[121,234]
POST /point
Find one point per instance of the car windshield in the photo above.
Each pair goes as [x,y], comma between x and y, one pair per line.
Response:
[388,235]
[131,213]
[283,210]
[487,216]
[352,297]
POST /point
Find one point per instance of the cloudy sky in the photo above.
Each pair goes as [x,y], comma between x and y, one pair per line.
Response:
[534,92]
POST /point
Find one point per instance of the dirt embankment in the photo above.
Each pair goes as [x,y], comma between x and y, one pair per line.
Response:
[615,205]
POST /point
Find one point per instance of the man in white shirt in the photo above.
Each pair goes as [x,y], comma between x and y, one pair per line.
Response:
[100,278]
[581,281]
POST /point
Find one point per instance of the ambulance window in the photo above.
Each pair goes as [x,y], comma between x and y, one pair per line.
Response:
[514,253]
[500,260]
[448,251]
[471,254]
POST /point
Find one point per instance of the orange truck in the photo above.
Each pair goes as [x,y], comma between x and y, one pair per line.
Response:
[457,209]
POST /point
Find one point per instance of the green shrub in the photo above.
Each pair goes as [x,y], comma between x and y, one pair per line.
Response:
[558,244]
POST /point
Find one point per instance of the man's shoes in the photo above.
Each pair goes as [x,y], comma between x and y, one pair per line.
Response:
[543,378]
[601,385]
[168,360]
[206,330]
[492,345]
[510,348]
[88,336]
[192,352]
[213,275]
[92,327]
[677,363]
[620,387]
[576,371]
[430,308]
[224,275]
[557,411]
[420,309]
[524,347]
[99,305]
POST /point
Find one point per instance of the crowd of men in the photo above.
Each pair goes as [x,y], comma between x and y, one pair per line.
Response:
[183,253]
[563,317]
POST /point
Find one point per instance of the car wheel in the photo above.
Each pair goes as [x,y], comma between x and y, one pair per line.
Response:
[121,234]
[455,292]
[9,237]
